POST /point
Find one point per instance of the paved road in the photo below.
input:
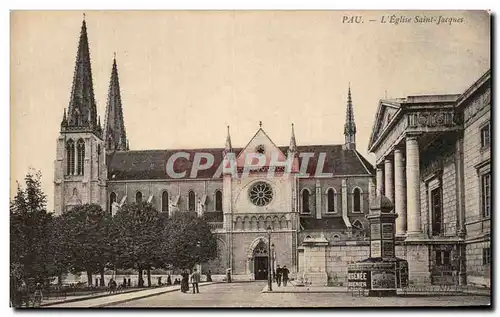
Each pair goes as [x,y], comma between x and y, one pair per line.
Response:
[249,295]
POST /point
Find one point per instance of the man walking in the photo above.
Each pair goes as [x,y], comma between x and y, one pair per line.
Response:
[278,275]
[195,279]
[284,272]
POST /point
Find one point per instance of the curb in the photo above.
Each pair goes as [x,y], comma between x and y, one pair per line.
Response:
[145,296]
[87,298]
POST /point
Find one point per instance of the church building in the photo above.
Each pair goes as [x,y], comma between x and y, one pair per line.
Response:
[315,209]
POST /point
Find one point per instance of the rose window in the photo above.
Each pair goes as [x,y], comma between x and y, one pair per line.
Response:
[261,194]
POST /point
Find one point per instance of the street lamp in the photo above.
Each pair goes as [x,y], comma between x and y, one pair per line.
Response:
[273,277]
[269,281]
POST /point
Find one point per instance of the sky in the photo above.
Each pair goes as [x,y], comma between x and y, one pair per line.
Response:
[186,75]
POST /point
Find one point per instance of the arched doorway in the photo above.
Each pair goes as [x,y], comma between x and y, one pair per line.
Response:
[260,261]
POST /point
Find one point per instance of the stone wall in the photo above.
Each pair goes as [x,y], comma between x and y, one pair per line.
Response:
[339,256]
[473,155]
[477,272]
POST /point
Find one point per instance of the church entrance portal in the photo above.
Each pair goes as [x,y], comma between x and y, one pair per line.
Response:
[260,261]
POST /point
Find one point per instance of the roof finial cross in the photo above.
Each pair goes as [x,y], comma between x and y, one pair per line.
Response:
[260,124]
[114,55]
[83,16]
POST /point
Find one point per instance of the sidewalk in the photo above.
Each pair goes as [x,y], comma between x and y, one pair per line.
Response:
[292,288]
[106,299]
[427,290]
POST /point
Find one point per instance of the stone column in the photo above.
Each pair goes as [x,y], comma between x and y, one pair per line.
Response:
[380,181]
[399,193]
[389,180]
[413,186]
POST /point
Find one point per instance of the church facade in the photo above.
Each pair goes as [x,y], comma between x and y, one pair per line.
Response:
[313,198]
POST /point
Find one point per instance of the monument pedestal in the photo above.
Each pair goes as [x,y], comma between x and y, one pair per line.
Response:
[382,273]
[314,268]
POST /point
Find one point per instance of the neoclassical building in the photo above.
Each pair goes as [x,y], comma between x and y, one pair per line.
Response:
[433,161]
[315,207]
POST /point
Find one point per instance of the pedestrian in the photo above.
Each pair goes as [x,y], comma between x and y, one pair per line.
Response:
[209,276]
[185,282]
[23,294]
[124,282]
[38,296]
[228,275]
[169,280]
[279,273]
[195,279]
[285,272]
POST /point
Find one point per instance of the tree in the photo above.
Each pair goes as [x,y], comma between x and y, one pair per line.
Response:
[83,231]
[188,240]
[32,255]
[136,233]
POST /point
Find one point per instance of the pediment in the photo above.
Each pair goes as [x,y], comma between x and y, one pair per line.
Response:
[260,146]
[385,113]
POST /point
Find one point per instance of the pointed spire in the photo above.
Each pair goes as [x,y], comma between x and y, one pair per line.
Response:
[228,148]
[114,126]
[64,122]
[350,125]
[82,110]
[293,142]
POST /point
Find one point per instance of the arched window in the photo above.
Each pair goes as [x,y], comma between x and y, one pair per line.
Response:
[80,149]
[305,201]
[138,197]
[70,157]
[330,200]
[218,200]
[112,199]
[356,200]
[164,201]
[191,201]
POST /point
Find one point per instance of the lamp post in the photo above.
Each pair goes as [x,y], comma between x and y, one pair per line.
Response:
[198,251]
[273,259]
[269,281]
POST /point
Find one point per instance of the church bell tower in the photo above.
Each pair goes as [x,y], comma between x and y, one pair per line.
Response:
[79,167]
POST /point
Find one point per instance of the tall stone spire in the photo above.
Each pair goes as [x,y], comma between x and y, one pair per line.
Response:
[350,125]
[293,142]
[114,127]
[82,110]
[228,148]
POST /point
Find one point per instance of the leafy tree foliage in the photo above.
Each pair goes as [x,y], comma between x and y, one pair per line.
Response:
[136,235]
[188,240]
[31,246]
[83,231]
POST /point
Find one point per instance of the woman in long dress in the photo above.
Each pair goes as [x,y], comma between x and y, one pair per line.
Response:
[185,282]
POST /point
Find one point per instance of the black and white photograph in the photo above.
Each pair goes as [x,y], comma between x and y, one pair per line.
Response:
[250,158]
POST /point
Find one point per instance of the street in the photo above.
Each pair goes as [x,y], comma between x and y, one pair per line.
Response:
[249,295]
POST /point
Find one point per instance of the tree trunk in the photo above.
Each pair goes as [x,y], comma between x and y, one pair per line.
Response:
[102,276]
[141,282]
[149,277]
[89,278]
[59,279]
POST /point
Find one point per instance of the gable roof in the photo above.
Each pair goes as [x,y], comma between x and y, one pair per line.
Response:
[151,164]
